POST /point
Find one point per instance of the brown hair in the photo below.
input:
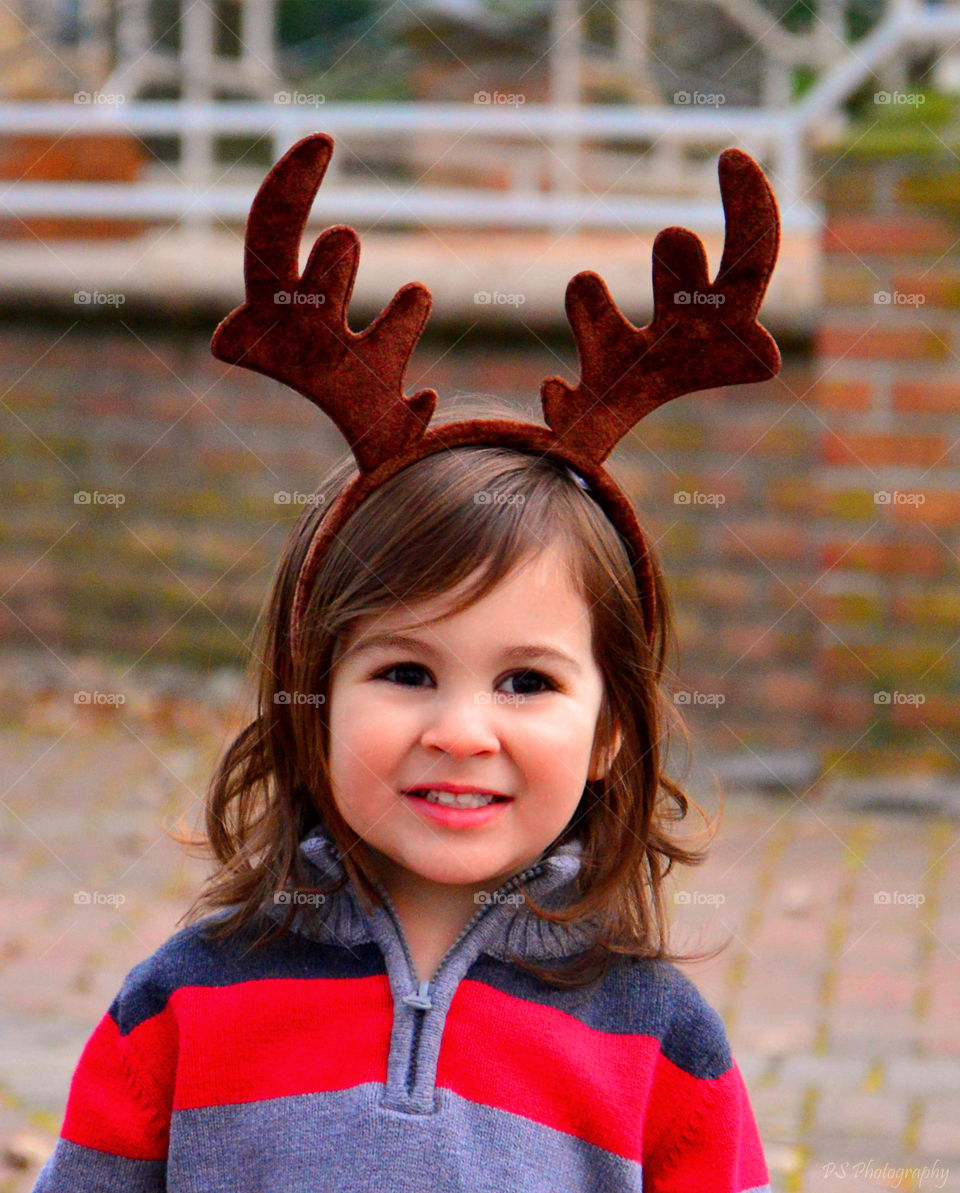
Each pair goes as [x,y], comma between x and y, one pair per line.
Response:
[417,537]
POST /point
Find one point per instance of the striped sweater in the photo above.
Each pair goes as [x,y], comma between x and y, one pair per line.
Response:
[317,1063]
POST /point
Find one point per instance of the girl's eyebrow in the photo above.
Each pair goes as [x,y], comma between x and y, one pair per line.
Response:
[406,641]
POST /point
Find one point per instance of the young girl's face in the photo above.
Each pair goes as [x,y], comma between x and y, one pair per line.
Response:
[455,706]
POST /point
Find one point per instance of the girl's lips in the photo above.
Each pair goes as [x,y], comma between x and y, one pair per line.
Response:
[457,817]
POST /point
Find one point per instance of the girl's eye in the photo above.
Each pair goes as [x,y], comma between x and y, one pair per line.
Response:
[402,668]
[525,677]
[408,673]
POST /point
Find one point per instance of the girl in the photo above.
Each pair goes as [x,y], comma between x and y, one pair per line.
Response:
[436,954]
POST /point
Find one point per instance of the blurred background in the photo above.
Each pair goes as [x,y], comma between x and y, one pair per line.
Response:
[807,526]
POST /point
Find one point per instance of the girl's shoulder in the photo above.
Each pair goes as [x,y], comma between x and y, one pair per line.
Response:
[662,1001]
[190,957]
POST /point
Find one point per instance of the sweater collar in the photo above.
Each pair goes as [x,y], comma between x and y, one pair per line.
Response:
[515,929]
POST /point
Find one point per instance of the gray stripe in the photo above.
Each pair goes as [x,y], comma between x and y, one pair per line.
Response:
[71,1168]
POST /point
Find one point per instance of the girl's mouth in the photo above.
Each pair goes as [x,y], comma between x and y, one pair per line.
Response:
[457,811]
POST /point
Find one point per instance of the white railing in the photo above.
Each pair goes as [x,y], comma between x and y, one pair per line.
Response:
[560,135]
[764,135]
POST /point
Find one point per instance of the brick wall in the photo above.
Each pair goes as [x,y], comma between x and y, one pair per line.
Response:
[884,464]
[800,596]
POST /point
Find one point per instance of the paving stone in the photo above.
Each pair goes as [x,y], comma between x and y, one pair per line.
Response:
[931,1077]
[845,1072]
[854,1114]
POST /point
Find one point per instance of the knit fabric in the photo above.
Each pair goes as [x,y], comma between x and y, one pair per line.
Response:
[318,1063]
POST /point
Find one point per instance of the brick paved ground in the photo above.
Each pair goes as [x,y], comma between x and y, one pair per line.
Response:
[840,987]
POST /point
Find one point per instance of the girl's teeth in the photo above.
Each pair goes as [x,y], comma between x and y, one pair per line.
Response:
[450,800]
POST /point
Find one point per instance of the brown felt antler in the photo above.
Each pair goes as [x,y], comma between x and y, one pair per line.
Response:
[701,335]
[294,328]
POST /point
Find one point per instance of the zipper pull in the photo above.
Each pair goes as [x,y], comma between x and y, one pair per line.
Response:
[421,1000]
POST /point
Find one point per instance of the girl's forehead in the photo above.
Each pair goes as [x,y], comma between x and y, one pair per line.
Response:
[524,587]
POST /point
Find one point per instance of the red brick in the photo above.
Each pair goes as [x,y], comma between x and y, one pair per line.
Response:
[888,235]
[872,449]
[938,509]
[928,397]
[841,395]
[893,558]
[939,288]
[880,342]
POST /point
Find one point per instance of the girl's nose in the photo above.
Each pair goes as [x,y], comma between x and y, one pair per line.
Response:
[461,727]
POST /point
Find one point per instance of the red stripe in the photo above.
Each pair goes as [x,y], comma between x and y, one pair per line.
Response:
[701,1134]
[547,1066]
[276,1037]
[109,1108]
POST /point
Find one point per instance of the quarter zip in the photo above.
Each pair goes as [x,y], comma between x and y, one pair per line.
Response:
[419,1000]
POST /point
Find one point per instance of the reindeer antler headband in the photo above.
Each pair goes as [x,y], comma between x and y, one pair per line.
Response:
[708,340]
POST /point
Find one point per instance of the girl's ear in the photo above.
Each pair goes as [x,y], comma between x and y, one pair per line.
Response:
[606,757]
